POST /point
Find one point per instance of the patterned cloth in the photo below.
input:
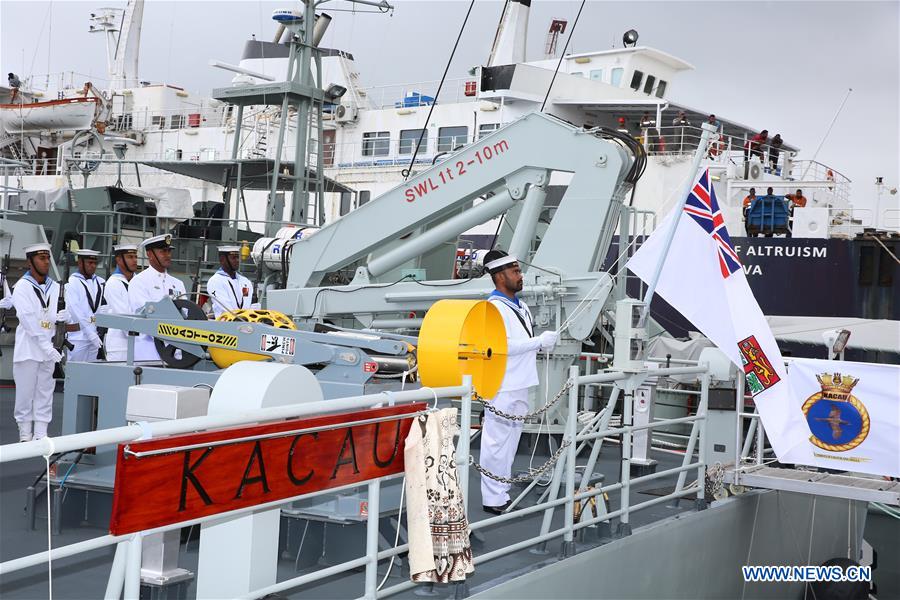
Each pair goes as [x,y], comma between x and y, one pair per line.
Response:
[439,548]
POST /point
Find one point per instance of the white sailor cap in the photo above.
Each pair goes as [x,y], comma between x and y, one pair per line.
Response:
[125,248]
[157,241]
[496,260]
[229,249]
[34,248]
[87,253]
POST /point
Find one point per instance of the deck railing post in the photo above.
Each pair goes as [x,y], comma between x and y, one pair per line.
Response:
[463,448]
[133,568]
[372,539]
[568,547]
[625,495]
[117,573]
[701,417]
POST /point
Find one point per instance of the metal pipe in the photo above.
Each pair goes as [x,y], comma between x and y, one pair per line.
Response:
[117,573]
[133,568]
[523,235]
[396,324]
[571,423]
[266,436]
[701,412]
[372,519]
[128,433]
[695,433]
[598,444]
[308,578]
[474,292]
[708,129]
[448,229]
[628,421]
[654,424]
[278,33]
[323,20]
[465,440]
[738,421]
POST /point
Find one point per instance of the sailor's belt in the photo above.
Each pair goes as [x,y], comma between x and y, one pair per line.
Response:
[45,324]
[70,328]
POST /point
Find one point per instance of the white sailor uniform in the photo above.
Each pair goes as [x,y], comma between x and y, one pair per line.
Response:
[150,286]
[83,299]
[34,354]
[230,293]
[499,436]
[115,293]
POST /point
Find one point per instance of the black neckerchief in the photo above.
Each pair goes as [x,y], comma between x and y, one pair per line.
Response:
[97,301]
[45,302]
[529,331]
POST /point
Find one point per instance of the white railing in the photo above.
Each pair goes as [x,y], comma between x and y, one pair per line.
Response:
[393,95]
[126,564]
[125,569]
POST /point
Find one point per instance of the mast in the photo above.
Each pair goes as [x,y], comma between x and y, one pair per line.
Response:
[512,34]
[123,41]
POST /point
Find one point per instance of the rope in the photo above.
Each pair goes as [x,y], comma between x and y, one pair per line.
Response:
[412,161]
[562,55]
[886,249]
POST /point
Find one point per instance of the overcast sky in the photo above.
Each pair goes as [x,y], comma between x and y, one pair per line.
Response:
[782,66]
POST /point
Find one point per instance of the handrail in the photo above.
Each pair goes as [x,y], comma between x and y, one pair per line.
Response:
[127,570]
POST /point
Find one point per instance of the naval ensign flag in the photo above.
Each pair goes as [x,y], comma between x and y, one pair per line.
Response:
[702,278]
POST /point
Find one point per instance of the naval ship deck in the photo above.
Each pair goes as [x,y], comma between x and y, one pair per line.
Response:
[85,576]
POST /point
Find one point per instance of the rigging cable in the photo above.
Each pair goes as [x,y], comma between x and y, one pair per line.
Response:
[562,55]
[412,161]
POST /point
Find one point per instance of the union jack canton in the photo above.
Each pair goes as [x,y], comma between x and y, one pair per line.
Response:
[703,207]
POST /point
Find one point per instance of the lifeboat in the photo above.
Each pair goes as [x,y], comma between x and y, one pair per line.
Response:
[53,115]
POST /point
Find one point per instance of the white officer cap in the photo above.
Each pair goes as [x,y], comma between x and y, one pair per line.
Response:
[125,248]
[34,248]
[229,249]
[87,253]
[157,241]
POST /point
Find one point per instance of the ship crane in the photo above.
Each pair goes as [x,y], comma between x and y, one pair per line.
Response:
[406,238]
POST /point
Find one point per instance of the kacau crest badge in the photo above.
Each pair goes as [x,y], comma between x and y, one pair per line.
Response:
[837,419]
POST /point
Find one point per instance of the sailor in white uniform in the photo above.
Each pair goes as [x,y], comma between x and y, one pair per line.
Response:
[34,298]
[152,285]
[229,289]
[499,436]
[116,296]
[84,295]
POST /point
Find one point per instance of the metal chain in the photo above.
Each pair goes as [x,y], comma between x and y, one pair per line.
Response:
[490,407]
[532,473]
[715,480]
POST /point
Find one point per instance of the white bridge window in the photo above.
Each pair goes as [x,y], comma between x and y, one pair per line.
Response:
[450,138]
[376,143]
[409,138]
[615,76]
[486,128]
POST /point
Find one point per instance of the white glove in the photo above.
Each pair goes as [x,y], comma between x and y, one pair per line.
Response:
[548,339]
[94,340]
[256,306]
[53,355]
[6,303]
[62,316]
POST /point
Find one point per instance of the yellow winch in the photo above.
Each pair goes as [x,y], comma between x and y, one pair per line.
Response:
[463,337]
[224,357]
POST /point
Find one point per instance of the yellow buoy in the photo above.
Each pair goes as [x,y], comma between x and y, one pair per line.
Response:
[463,337]
[224,357]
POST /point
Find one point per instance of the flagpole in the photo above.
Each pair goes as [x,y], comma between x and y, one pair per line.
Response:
[708,130]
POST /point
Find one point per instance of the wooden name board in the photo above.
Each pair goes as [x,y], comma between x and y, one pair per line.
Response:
[183,484]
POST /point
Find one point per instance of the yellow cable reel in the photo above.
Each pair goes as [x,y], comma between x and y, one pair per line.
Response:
[463,337]
[224,357]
